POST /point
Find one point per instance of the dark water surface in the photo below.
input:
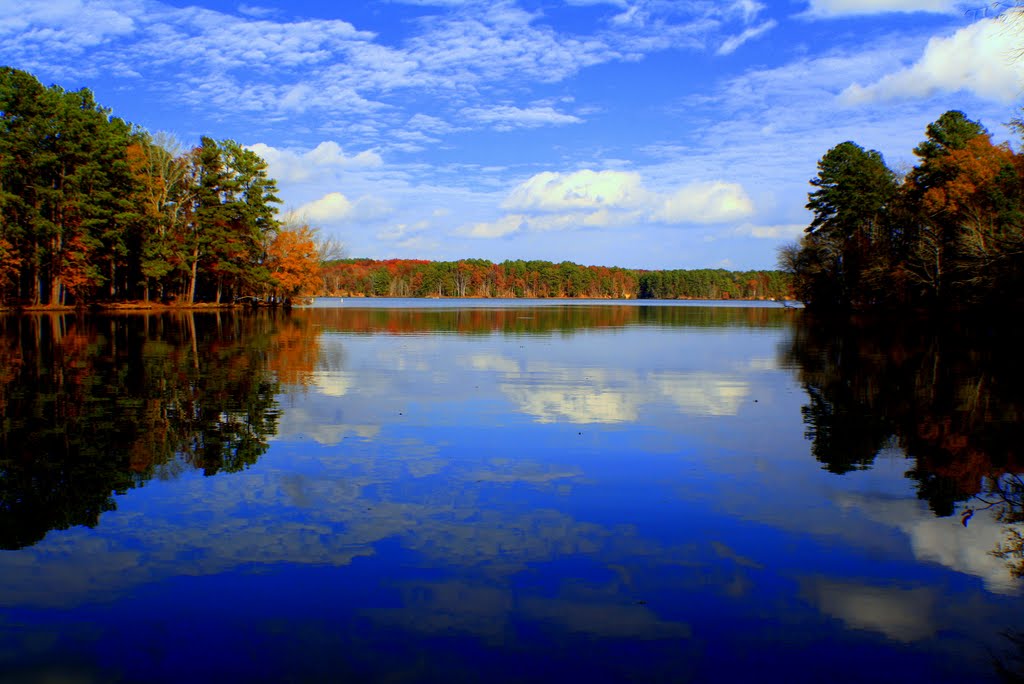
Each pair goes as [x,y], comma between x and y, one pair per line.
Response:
[507,492]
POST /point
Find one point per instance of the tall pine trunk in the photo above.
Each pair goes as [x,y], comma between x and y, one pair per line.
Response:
[192,280]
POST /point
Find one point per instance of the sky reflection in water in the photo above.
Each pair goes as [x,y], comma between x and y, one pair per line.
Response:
[525,495]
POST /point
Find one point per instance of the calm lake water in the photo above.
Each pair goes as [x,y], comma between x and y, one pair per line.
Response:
[507,491]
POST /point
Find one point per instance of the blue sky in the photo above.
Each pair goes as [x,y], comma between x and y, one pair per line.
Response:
[638,133]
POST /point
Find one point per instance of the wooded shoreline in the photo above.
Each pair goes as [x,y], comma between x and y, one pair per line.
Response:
[146,307]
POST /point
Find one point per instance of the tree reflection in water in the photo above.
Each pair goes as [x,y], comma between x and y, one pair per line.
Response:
[94,406]
[1004,496]
[947,394]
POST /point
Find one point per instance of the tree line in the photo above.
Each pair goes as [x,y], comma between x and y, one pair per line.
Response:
[945,234]
[95,209]
[543,279]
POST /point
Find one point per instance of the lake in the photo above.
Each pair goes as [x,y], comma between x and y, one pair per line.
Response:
[446,491]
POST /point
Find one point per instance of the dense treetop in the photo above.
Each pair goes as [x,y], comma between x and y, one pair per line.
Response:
[95,209]
[950,233]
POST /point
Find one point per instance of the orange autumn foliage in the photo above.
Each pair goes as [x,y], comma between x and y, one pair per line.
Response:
[974,174]
[293,262]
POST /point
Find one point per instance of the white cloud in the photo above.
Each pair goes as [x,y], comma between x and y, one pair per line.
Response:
[495,363]
[333,207]
[255,11]
[584,189]
[748,9]
[776,232]
[841,8]
[329,154]
[403,231]
[551,201]
[429,124]
[705,202]
[578,404]
[288,165]
[88,23]
[731,44]
[978,58]
[506,225]
[506,117]
[250,61]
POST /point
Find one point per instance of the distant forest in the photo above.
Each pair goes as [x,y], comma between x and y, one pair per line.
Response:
[948,233]
[481,278]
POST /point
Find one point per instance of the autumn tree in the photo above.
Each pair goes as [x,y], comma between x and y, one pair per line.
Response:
[979,200]
[293,262]
[930,234]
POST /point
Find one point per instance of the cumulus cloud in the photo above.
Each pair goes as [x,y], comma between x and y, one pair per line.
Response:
[596,395]
[841,8]
[331,208]
[335,208]
[551,201]
[705,202]
[586,189]
[289,165]
[977,58]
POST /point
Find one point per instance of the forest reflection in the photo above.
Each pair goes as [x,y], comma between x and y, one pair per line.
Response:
[527,319]
[946,394]
[94,406]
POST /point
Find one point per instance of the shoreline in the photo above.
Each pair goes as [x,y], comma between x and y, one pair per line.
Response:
[140,306]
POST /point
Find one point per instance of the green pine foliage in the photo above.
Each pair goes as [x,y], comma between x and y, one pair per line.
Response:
[93,209]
